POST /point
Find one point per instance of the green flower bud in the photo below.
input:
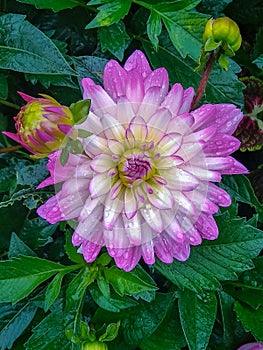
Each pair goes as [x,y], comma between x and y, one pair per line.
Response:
[222,32]
[96,345]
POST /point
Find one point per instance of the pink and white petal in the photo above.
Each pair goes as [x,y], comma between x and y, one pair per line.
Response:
[100,100]
[125,111]
[116,147]
[160,197]
[130,203]
[158,78]
[218,195]
[138,62]
[91,124]
[134,87]
[50,211]
[169,144]
[102,163]
[225,165]
[112,128]
[139,128]
[181,124]
[174,99]
[158,123]
[148,252]
[203,135]
[186,206]
[88,208]
[203,116]
[181,251]
[201,173]
[114,80]
[227,118]
[129,258]
[188,151]
[194,237]
[221,145]
[207,226]
[26,97]
[116,189]
[133,229]
[87,228]
[150,103]
[162,248]
[169,162]
[200,200]
[99,185]
[90,251]
[94,145]
[153,218]
[112,210]
[187,100]
[180,180]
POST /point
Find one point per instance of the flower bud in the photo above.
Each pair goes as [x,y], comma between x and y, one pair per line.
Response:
[222,32]
[96,345]
[41,125]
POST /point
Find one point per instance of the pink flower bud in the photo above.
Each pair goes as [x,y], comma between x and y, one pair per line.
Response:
[41,125]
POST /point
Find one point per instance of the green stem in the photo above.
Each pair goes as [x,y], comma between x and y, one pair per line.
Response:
[9,104]
[204,79]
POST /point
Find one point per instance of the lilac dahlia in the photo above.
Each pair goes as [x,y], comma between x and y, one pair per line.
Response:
[145,184]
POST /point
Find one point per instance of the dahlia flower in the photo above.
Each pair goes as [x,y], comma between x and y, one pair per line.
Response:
[41,125]
[145,184]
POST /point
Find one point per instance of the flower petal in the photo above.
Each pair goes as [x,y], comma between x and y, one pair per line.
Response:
[102,163]
[100,184]
[138,128]
[169,144]
[130,203]
[114,79]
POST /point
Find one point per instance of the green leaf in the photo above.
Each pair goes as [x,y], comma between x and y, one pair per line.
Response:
[229,323]
[14,319]
[217,260]
[113,303]
[249,287]
[154,28]
[49,334]
[259,61]
[185,27]
[18,247]
[3,86]
[53,290]
[20,53]
[56,6]
[170,6]
[239,187]
[110,13]
[80,110]
[252,320]
[90,67]
[169,335]
[197,314]
[222,86]
[37,232]
[71,250]
[74,297]
[114,39]
[20,276]
[7,179]
[126,282]
[111,332]
[139,322]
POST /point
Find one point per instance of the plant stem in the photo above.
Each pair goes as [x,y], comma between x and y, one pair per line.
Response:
[9,104]
[204,79]
[10,149]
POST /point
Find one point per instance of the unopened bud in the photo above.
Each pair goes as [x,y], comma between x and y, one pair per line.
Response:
[96,345]
[41,125]
[223,32]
